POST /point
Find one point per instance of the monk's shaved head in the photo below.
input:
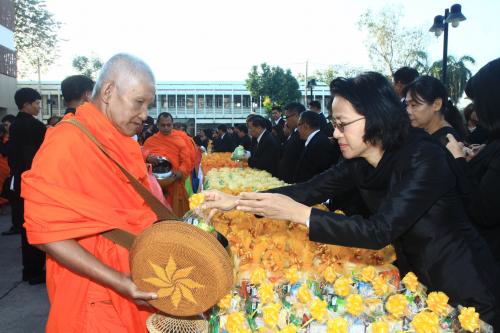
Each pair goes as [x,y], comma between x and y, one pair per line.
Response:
[122,69]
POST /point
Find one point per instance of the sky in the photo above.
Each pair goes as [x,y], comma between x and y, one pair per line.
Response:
[220,40]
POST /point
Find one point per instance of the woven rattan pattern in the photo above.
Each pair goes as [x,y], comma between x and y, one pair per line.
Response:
[157,323]
[185,265]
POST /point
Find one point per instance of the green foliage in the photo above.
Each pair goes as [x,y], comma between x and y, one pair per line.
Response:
[279,85]
[391,45]
[88,66]
[326,76]
[457,75]
[36,36]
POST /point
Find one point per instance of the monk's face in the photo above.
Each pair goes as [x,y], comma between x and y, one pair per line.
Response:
[165,125]
[127,107]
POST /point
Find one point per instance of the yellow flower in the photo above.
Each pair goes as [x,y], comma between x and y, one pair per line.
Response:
[304,294]
[266,293]
[396,305]
[270,314]
[289,329]
[235,322]
[225,302]
[343,286]
[195,200]
[437,302]
[380,286]
[318,309]
[354,304]
[258,276]
[380,327]
[337,325]
[292,276]
[368,274]
[329,274]
[426,322]
[173,282]
[469,319]
[411,282]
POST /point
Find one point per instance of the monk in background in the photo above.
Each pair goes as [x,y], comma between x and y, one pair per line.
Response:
[73,195]
[173,147]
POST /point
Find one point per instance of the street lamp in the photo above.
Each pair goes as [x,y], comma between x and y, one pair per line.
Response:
[453,16]
[310,85]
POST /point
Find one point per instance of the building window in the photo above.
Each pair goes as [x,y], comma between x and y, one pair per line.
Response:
[201,102]
[246,101]
[227,101]
[237,101]
[210,101]
[7,62]
[218,101]
[7,11]
[171,101]
[190,101]
[181,101]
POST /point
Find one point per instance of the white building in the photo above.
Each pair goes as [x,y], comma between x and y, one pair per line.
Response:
[8,71]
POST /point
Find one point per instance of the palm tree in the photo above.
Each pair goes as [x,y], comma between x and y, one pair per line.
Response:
[457,75]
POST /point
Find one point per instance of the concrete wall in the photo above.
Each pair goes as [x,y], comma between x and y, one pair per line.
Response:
[8,87]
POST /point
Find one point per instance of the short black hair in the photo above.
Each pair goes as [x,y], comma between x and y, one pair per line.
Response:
[8,117]
[242,128]
[164,115]
[315,104]
[312,119]
[295,107]
[26,95]
[427,89]
[405,75]
[484,89]
[73,87]
[372,96]
[149,121]
[222,128]
[276,108]
[259,121]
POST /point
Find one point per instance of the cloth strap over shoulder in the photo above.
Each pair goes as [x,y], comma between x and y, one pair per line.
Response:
[119,236]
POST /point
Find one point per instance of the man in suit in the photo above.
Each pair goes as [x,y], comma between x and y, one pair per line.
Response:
[318,153]
[278,123]
[265,152]
[244,140]
[224,142]
[293,145]
[315,107]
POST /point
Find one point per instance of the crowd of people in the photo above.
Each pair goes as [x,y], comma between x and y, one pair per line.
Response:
[398,159]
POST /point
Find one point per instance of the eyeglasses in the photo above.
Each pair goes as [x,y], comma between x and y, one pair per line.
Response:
[340,126]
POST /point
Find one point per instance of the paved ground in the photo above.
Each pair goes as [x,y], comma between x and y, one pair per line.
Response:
[23,308]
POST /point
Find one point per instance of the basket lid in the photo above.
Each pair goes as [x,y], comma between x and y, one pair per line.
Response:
[186,266]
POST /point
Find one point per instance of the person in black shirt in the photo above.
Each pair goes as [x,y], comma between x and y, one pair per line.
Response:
[76,90]
[266,149]
[315,107]
[244,140]
[25,138]
[292,148]
[223,143]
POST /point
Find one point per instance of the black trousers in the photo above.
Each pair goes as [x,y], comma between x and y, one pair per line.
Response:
[33,258]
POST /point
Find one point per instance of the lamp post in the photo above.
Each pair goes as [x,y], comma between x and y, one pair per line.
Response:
[310,85]
[453,16]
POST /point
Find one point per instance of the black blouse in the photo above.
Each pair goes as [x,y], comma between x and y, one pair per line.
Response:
[416,206]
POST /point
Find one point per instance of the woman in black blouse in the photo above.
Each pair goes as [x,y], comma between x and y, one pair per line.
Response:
[407,182]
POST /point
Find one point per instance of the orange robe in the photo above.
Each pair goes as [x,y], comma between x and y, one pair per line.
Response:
[74,191]
[173,147]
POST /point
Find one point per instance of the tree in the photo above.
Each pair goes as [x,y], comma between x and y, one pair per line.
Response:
[89,66]
[326,76]
[36,36]
[390,45]
[457,75]
[279,85]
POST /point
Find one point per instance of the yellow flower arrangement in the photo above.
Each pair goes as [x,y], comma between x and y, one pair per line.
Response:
[318,309]
[304,294]
[380,286]
[270,314]
[411,281]
[380,327]
[329,274]
[337,325]
[469,319]
[437,302]
[289,329]
[225,302]
[426,322]
[343,286]
[354,304]
[368,274]
[219,160]
[258,276]
[397,305]
[235,322]
[266,292]
[292,276]
[195,200]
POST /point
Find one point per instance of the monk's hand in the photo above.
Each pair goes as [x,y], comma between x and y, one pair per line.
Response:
[152,159]
[273,205]
[130,290]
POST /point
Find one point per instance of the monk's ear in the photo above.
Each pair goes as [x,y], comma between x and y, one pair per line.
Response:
[107,91]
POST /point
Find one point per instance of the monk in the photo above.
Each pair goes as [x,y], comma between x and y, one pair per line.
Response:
[192,150]
[174,148]
[74,192]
